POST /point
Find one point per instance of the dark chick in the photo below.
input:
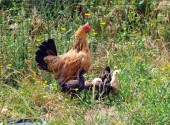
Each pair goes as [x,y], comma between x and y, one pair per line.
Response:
[75,86]
[106,78]
[114,85]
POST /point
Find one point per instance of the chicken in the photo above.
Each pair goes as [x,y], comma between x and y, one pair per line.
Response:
[115,82]
[65,67]
[74,86]
[97,84]
[114,85]
[106,78]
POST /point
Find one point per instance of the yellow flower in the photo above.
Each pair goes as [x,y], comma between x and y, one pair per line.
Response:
[76,89]
[103,23]
[21,92]
[63,29]
[45,83]
[87,14]
[1,66]
[66,99]
[38,40]
[10,65]
[94,33]
[119,123]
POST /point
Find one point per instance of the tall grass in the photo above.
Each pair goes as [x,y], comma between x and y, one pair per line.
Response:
[130,36]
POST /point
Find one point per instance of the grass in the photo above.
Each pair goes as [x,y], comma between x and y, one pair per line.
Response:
[130,36]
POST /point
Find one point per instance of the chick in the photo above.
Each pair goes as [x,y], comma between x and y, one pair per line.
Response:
[74,86]
[106,78]
[97,84]
[97,81]
[114,85]
[115,82]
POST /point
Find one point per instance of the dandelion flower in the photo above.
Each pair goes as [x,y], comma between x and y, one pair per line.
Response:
[87,14]
[21,92]
[103,23]
[10,65]
[45,82]
[66,99]
[38,40]
[76,89]
[119,123]
[63,29]
[94,33]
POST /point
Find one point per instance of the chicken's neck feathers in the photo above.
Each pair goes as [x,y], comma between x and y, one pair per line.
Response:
[81,41]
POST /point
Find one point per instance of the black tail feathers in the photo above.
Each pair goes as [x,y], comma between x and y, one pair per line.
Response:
[45,49]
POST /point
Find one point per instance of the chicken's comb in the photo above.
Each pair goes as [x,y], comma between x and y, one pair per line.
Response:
[87,27]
